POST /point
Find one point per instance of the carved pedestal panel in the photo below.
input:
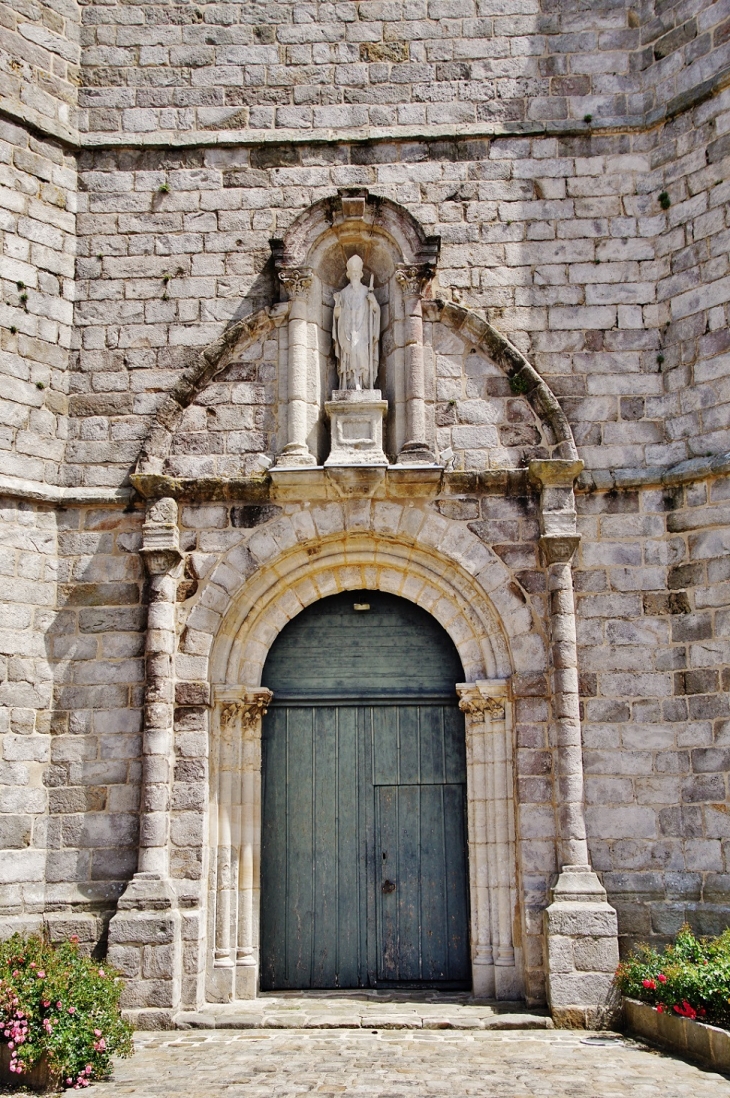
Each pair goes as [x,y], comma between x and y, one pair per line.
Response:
[357,418]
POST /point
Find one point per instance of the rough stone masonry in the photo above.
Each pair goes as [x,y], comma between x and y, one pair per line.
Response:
[544,190]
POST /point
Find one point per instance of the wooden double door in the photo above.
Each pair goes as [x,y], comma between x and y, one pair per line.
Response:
[363,862]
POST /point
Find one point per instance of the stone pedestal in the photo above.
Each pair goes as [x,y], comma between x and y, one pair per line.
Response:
[356,417]
[581,935]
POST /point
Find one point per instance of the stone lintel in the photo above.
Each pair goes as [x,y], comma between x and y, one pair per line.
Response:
[294,485]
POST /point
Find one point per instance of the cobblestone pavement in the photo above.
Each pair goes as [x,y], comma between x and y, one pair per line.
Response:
[390,1064]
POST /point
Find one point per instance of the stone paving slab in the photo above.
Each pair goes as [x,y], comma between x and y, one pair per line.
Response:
[402,1064]
[366,1010]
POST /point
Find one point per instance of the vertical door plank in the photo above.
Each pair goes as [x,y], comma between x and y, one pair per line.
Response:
[300,848]
[434,857]
[387,869]
[384,730]
[274,852]
[456,882]
[432,746]
[324,842]
[350,905]
[408,882]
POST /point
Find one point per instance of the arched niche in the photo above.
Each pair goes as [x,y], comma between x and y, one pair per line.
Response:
[311,263]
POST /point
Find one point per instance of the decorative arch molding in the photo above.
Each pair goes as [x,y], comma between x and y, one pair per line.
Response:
[267,579]
[522,375]
[465,587]
[355,213]
[467,323]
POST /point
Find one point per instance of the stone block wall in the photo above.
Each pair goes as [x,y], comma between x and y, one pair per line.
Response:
[37,242]
[40,61]
[652,600]
[28,572]
[95,640]
[394,66]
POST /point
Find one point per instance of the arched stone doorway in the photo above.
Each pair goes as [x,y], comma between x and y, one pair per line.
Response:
[364,879]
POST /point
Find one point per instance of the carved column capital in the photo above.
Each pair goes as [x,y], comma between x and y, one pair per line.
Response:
[161,537]
[559,548]
[295,280]
[248,708]
[482,698]
[414,278]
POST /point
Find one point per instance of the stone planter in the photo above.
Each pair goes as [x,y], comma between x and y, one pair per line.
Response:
[39,1078]
[706,1045]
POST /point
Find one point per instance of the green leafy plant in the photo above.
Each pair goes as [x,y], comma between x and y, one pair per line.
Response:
[518,384]
[664,200]
[164,188]
[57,1005]
[587,117]
[691,978]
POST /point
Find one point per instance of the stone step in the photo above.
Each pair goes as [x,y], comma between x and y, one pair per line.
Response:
[338,1013]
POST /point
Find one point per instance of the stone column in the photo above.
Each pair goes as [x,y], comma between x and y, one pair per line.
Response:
[238,845]
[496,971]
[297,282]
[144,934]
[580,926]
[412,281]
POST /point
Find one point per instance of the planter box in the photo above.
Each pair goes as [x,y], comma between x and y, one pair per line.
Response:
[706,1045]
[40,1078]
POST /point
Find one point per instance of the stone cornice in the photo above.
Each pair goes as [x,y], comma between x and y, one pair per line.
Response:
[172,139]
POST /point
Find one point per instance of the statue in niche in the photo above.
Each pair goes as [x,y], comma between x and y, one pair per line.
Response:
[356,330]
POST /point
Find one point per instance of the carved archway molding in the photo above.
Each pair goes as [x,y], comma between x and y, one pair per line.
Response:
[452,586]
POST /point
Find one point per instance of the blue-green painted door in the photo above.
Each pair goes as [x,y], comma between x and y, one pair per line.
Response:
[363,867]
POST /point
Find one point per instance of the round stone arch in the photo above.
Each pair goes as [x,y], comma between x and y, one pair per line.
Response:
[460,582]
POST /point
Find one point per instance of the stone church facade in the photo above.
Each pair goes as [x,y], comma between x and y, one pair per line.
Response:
[539,193]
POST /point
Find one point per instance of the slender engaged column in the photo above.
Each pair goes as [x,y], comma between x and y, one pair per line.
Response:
[580,925]
[147,923]
[235,955]
[296,451]
[412,281]
[162,557]
[492,855]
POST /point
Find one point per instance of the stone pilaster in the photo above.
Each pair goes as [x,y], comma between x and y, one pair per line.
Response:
[144,934]
[297,282]
[581,929]
[412,281]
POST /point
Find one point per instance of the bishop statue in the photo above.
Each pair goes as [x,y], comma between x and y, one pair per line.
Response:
[356,330]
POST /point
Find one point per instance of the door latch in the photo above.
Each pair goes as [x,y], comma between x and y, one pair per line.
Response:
[388,886]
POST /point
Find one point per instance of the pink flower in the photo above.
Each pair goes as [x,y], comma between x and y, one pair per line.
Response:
[97,1033]
[650,984]
[659,1008]
[45,1002]
[72,1010]
[101,972]
[16,973]
[40,974]
[32,964]
[662,978]
[11,1044]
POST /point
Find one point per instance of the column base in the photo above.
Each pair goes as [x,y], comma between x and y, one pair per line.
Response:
[145,945]
[295,455]
[581,934]
[416,453]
